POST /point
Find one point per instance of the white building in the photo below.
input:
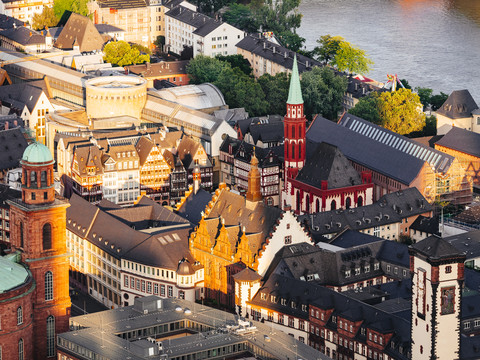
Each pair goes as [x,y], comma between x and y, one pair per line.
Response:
[207,36]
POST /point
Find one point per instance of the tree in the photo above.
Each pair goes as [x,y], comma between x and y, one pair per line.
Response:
[210,6]
[399,111]
[120,53]
[276,92]
[367,108]
[44,19]
[241,16]
[291,40]
[437,100]
[159,42]
[405,84]
[424,94]
[277,16]
[237,61]
[75,6]
[204,69]
[142,49]
[351,58]
[323,92]
[240,90]
[328,48]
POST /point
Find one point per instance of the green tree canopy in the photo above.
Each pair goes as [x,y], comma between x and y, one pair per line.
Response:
[120,53]
[76,6]
[204,69]
[323,92]
[399,111]
[328,48]
[241,16]
[240,90]
[277,16]
[437,100]
[352,59]
[276,92]
[424,94]
[44,19]
[291,40]
[237,61]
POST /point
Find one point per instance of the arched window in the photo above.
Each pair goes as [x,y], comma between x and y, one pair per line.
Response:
[33,179]
[317,205]
[293,132]
[50,336]
[20,349]
[48,286]
[293,152]
[307,204]
[348,203]
[19,315]
[21,234]
[360,201]
[333,205]
[47,236]
[298,201]
[43,179]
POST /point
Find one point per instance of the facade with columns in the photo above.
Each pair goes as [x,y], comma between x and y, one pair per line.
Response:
[326,180]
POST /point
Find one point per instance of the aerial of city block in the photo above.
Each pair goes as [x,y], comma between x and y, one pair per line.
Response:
[186,180]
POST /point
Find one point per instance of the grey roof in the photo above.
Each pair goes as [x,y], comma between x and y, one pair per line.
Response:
[24,36]
[276,53]
[390,208]
[461,140]
[194,204]
[459,104]
[382,151]
[349,238]
[436,248]
[203,24]
[328,164]
[467,243]
[12,146]
[8,22]
[425,224]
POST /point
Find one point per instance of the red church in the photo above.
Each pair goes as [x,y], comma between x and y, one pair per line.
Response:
[318,177]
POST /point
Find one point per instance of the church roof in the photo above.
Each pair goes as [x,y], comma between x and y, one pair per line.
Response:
[37,153]
[11,273]
[295,90]
[328,164]
[79,30]
[459,104]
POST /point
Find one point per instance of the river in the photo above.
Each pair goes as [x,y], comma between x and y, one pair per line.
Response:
[431,43]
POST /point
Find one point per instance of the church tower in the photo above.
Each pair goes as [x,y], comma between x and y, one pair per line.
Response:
[38,223]
[294,126]
[437,270]
[254,192]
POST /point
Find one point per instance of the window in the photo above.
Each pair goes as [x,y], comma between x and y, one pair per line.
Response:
[448,269]
[181,294]
[155,289]
[357,271]
[19,315]
[367,268]
[280,319]
[21,234]
[50,336]
[301,325]
[149,287]
[170,291]
[143,285]
[125,281]
[466,325]
[47,236]
[162,290]
[388,268]
[48,286]
[291,322]
[288,240]
[376,266]
[347,273]
[20,349]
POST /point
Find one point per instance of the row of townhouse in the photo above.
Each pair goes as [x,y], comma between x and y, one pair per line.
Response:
[120,166]
[119,254]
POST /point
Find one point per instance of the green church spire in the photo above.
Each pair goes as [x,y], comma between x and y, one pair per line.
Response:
[295,91]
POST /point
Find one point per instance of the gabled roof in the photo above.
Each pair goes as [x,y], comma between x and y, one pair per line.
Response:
[247,274]
[88,156]
[426,224]
[194,205]
[203,24]
[328,164]
[459,104]
[8,22]
[24,36]
[461,140]
[436,248]
[12,147]
[80,30]
[144,147]
[276,53]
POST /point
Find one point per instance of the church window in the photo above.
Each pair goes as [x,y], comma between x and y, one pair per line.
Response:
[360,201]
[298,201]
[33,179]
[19,315]
[348,203]
[33,196]
[48,286]
[307,204]
[293,151]
[47,236]
[20,349]
[43,179]
[50,336]
[293,132]
[21,234]
[317,205]
[333,205]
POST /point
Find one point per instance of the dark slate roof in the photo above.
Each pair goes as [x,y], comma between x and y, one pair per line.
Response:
[8,22]
[107,28]
[467,243]
[24,36]
[470,215]
[7,193]
[390,208]
[267,132]
[22,94]
[276,53]
[428,225]
[328,164]
[80,29]
[12,146]
[436,248]
[470,306]
[193,206]
[394,253]
[55,31]
[272,156]
[349,238]
[390,139]
[470,347]
[203,24]
[459,104]
[12,120]
[461,140]
[122,4]
[230,141]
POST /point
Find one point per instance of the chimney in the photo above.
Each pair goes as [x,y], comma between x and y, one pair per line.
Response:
[6,125]
[306,63]
[273,49]
[264,45]
[286,54]
[30,34]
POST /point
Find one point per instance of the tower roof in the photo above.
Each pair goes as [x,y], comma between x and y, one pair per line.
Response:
[436,248]
[295,91]
[37,153]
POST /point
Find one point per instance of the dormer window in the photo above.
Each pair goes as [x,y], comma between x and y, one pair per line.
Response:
[347,273]
[376,266]
[357,271]
[263,296]
[367,268]
[273,298]
[284,302]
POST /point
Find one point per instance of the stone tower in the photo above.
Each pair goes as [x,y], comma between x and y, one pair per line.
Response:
[437,270]
[294,126]
[38,223]
[254,189]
